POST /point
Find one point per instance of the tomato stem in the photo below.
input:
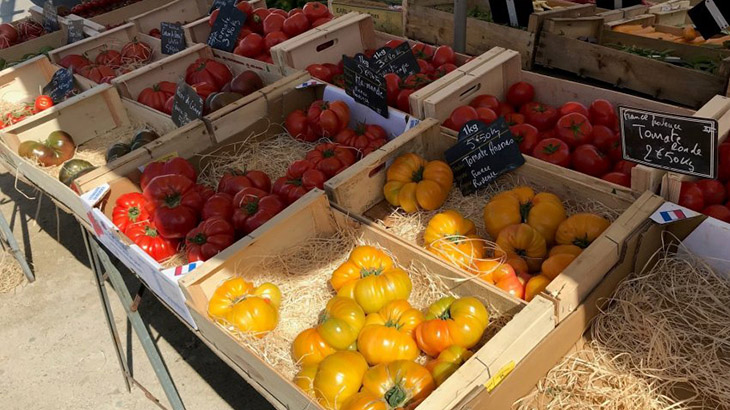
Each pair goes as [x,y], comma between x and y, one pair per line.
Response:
[198,239]
[396,396]
[445,315]
[133,213]
[417,175]
[252,207]
[525,211]
[150,231]
[365,272]
[582,242]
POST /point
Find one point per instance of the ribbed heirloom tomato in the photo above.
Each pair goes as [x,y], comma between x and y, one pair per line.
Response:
[173,166]
[97,73]
[452,322]
[297,125]
[301,177]
[111,58]
[331,159]
[524,241]
[543,211]
[156,96]
[388,333]
[219,205]
[581,229]
[453,238]
[253,207]
[414,183]
[396,385]
[240,305]
[447,363]
[328,118]
[365,138]
[145,235]
[128,209]
[206,70]
[136,52]
[334,380]
[208,239]
[176,203]
[234,181]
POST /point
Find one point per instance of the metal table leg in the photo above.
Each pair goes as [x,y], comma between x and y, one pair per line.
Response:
[6,235]
[101,261]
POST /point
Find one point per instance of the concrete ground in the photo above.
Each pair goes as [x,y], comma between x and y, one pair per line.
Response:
[55,349]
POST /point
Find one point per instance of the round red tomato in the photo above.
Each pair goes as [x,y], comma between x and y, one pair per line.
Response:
[323,20]
[605,139]
[424,67]
[273,22]
[403,100]
[542,116]
[255,21]
[461,115]
[272,39]
[423,51]
[297,126]
[392,86]
[219,205]
[145,235]
[416,81]
[295,25]
[250,46]
[321,72]
[295,11]
[74,61]
[720,212]
[624,167]
[245,7]
[723,167]
[713,192]
[206,70]
[443,55]
[690,196]
[486,115]
[554,151]
[618,178]
[574,129]
[208,239]
[315,11]
[526,136]
[589,160]
[486,101]
[394,43]
[442,70]
[514,118]
[603,113]
[520,93]
[573,106]
[504,109]
[43,102]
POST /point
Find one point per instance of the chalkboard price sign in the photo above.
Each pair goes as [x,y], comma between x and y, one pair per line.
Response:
[173,38]
[61,85]
[365,85]
[687,145]
[187,105]
[221,3]
[483,153]
[399,60]
[50,17]
[225,30]
[75,30]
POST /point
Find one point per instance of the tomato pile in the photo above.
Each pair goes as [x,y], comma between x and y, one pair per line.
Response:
[109,63]
[212,80]
[434,63]
[711,196]
[265,28]
[25,110]
[93,8]
[24,30]
[574,136]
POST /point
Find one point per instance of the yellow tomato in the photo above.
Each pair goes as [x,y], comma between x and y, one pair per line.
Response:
[237,303]
[335,379]
[414,183]
[543,211]
[525,242]
[447,363]
[581,230]
[450,321]
[398,383]
[388,334]
[535,285]
[453,238]
[370,278]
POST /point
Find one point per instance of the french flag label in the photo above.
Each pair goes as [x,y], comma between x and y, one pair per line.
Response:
[183,269]
[670,216]
[670,212]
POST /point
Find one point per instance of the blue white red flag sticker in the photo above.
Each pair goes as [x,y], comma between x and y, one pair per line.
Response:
[670,212]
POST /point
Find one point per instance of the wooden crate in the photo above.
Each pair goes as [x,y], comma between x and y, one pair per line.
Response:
[719,109]
[560,47]
[315,218]
[571,334]
[426,22]
[387,18]
[173,69]
[90,28]
[22,83]
[360,191]
[20,52]
[86,117]
[122,15]
[499,68]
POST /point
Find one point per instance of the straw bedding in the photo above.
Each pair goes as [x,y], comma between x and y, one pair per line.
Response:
[11,275]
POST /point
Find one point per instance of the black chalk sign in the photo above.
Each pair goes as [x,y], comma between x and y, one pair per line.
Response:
[516,13]
[187,105]
[710,17]
[61,85]
[365,85]
[678,143]
[225,30]
[483,153]
[399,60]
[173,38]
[616,4]
[75,30]
[50,17]
[221,3]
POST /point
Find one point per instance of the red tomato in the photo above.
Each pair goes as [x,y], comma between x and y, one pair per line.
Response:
[43,102]
[323,20]
[365,138]
[255,21]
[720,212]
[279,12]
[461,115]
[526,136]
[293,12]
[253,208]
[204,89]
[327,118]
[331,159]
[574,129]
[232,182]
[394,43]
[542,116]
[514,118]
[624,167]
[295,25]
[504,109]
[245,7]
[243,34]
[265,57]
[206,70]
[416,81]
[174,166]
[605,139]
[334,68]
[301,177]
[315,11]
[208,239]
[111,58]
[213,17]
[691,196]
[422,51]
[251,46]
[713,192]
[129,208]
[554,151]
[425,67]
[603,113]
[403,102]
[136,52]
[321,72]
[486,115]
[219,205]
[145,235]
[723,167]
[176,204]
[167,109]
[443,69]
[589,160]
[443,55]
[273,22]
[618,178]
[97,73]
[297,126]
[573,106]
[392,85]
[272,39]
[520,93]
[74,61]
[486,101]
